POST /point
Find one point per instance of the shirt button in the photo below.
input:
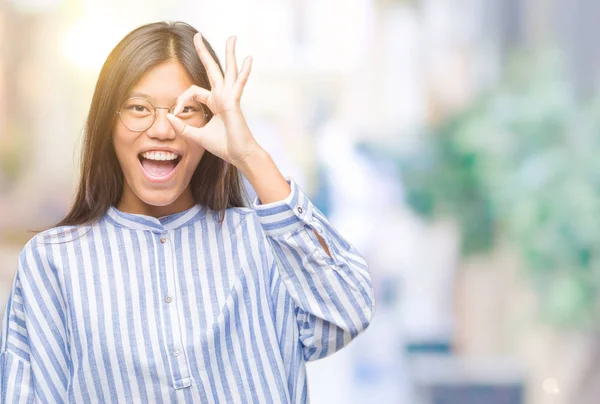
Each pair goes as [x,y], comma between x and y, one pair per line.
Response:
[163,240]
[176,352]
[168,299]
[299,209]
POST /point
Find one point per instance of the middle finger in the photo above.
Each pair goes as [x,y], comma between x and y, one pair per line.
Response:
[212,69]
[231,67]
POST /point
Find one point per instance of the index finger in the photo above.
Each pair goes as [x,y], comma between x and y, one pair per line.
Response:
[195,94]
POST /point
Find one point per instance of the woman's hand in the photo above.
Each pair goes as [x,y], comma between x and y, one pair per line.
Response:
[226,135]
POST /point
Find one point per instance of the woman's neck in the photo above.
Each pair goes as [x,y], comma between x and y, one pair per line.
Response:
[131,203]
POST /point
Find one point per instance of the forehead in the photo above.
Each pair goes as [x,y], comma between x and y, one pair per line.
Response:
[163,82]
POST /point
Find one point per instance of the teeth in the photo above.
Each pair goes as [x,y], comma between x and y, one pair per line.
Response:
[159,155]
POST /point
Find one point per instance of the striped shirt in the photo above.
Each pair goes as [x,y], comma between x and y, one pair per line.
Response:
[182,308]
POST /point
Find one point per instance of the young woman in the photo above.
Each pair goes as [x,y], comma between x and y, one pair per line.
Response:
[159,286]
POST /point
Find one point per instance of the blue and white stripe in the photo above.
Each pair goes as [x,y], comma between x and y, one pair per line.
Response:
[182,309]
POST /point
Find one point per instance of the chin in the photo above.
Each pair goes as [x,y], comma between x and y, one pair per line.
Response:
[159,197]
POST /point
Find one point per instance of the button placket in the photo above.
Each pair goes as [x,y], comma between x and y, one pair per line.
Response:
[168,298]
[179,367]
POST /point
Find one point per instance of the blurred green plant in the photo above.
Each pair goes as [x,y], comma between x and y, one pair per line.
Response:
[12,158]
[523,164]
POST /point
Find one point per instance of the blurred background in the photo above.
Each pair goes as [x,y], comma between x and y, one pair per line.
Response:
[453,142]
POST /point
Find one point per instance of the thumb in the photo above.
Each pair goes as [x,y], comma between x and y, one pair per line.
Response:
[183,129]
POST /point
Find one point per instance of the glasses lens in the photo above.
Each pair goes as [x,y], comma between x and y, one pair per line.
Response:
[137,114]
[193,113]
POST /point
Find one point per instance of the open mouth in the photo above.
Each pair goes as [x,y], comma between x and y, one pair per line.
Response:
[159,164]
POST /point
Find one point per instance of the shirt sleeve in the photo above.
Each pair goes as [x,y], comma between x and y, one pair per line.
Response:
[33,349]
[333,296]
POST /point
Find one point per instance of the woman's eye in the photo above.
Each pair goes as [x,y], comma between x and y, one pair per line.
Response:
[139,108]
[189,109]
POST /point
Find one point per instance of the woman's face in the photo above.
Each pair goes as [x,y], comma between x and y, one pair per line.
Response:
[157,164]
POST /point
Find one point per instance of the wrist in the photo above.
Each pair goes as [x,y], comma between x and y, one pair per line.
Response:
[254,158]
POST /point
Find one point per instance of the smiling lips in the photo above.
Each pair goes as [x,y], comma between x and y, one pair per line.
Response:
[158,165]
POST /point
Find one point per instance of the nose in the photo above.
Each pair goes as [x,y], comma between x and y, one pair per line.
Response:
[161,128]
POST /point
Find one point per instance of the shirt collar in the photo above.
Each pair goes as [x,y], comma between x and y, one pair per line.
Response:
[137,221]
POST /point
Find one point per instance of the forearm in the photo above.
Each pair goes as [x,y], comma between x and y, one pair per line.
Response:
[268,182]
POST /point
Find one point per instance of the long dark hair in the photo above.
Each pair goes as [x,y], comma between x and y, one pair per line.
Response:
[215,183]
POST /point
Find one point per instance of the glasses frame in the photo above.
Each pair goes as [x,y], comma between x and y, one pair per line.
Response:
[154,108]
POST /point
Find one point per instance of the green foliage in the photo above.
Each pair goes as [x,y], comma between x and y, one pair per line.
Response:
[12,157]
[522,164]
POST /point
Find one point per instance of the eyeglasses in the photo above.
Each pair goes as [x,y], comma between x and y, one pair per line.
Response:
[138,114]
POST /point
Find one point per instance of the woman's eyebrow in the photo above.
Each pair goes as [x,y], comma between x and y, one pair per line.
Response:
[146,96]
[139,94]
